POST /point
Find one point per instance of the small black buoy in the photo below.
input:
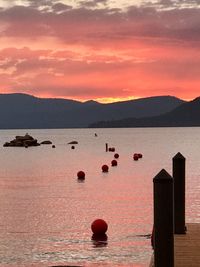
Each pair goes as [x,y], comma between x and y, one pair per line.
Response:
[116,156]
[72,147]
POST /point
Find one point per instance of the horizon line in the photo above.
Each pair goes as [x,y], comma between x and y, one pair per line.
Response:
[104,100]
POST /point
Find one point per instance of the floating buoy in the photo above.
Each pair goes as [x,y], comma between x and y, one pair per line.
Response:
[81,175]
[116,156]
[114,162]
[53,146]
[139,155]
[135,156]
[105,168]
[113,149]
[99,227]
[72,147]
[110,149]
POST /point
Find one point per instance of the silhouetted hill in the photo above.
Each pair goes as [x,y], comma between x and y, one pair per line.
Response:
[26,111]
[185,115]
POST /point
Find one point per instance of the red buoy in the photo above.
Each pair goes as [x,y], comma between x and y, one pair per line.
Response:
[81,175]
[105,168]
[139,155]
[99,227]
[135,156]
[114,162]
[116,156]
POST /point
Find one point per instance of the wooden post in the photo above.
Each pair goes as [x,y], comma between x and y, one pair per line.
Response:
[106,147]
[179,193]
[163,220]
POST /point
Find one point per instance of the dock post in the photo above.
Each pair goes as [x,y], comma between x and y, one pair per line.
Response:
[163,220]
[106,147]
[179,193]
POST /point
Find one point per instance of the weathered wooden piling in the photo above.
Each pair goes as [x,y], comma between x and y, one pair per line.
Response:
[179,193]
[163,220]
[106,147]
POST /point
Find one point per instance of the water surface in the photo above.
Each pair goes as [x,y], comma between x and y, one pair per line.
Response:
[45,213]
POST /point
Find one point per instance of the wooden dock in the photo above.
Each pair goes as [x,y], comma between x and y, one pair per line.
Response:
[173,245]
[187,247]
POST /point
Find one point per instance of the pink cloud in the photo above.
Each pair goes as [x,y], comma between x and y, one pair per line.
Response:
[100,52]
[45,72]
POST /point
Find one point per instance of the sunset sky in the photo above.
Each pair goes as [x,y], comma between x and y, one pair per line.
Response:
[106,50]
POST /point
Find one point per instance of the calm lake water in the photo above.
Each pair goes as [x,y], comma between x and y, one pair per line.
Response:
[45,213]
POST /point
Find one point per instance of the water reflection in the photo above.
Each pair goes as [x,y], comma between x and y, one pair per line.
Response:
[147,236]
[81,181]
[99,240]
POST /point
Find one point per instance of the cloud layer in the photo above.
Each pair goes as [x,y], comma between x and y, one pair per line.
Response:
[52,48]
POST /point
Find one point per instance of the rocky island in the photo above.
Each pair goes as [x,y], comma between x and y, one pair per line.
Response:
[22,141]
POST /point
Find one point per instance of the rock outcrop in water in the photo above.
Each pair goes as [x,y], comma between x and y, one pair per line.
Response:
[22,141]
[73,143]
[46,142]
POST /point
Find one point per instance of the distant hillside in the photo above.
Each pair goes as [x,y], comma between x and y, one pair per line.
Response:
[185,115]
[24,111]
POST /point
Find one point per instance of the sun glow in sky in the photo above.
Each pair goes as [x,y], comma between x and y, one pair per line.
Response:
[106,50]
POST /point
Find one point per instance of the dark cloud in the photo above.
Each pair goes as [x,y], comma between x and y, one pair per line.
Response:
[100,1]
[92,3]
[167,3]
[39,3]
[87,26]
[178,4]
[60,7]
[19,13]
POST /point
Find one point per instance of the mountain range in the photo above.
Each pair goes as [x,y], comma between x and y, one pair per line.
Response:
[22,111]
[185,115]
